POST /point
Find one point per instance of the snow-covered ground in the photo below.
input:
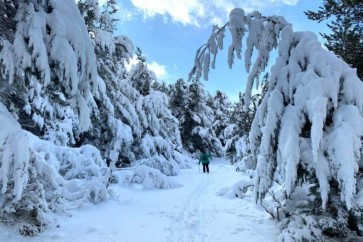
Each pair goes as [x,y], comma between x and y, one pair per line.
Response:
[192,212]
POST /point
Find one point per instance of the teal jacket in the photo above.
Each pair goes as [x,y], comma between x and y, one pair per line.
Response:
[204,158]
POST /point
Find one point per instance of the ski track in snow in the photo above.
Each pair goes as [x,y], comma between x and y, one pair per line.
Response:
[187,224]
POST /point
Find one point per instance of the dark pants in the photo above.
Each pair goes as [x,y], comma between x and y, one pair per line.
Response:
[206,167]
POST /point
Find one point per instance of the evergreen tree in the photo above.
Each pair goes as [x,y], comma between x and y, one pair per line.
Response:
[141,77]
[7,21]
[346,39]
[179,98]
[64,81]
[162,87]
[221,107]
[50,84]
[160,140]
[91,13]
[116,123]
[48,67]
[107,20]
[160,130]
[235,130]
[306,137]
[10,92]
[133,121]
[196,122]
[236,134]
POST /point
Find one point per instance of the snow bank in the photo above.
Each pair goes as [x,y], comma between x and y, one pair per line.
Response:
[149,178]
[166,167]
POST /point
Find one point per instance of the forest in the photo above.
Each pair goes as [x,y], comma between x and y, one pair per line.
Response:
[71,114]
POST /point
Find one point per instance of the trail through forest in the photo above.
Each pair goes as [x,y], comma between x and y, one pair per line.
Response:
[191,213]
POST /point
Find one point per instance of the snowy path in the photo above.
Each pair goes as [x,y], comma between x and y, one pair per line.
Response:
[186,224]
[191,213]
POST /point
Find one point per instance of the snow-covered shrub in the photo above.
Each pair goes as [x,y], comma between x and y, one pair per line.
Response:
[241,189]
[153,145]
[184,161]
[301,228]
[150,178]
[32,185]
[76,163]
[96,191]
[83,166]
[77,191]
[167,167]
[26,180]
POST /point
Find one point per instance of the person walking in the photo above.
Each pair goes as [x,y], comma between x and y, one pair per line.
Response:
[204,159]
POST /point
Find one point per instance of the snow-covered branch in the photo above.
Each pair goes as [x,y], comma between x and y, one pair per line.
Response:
[263,36]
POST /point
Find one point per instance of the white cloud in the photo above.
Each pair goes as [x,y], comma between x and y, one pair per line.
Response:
[197,12]
[102,2]
[183,11]
[158,69]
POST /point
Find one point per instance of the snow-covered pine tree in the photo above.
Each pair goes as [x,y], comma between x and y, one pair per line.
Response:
[306,136]
[237,145]
[90,12]
[8,91]
[235,130]
[8,22]
[345,37]
[116,121]
[133,121]
[53,85]
[236,133]
[162,87]
[140,76]
[222,108]
[196,122]
[39,178]
[178,98]
[160,141]
[48,71]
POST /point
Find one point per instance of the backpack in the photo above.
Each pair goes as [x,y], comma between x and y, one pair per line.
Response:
[204,157]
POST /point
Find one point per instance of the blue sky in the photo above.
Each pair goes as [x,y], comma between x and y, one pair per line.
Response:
[170,31]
